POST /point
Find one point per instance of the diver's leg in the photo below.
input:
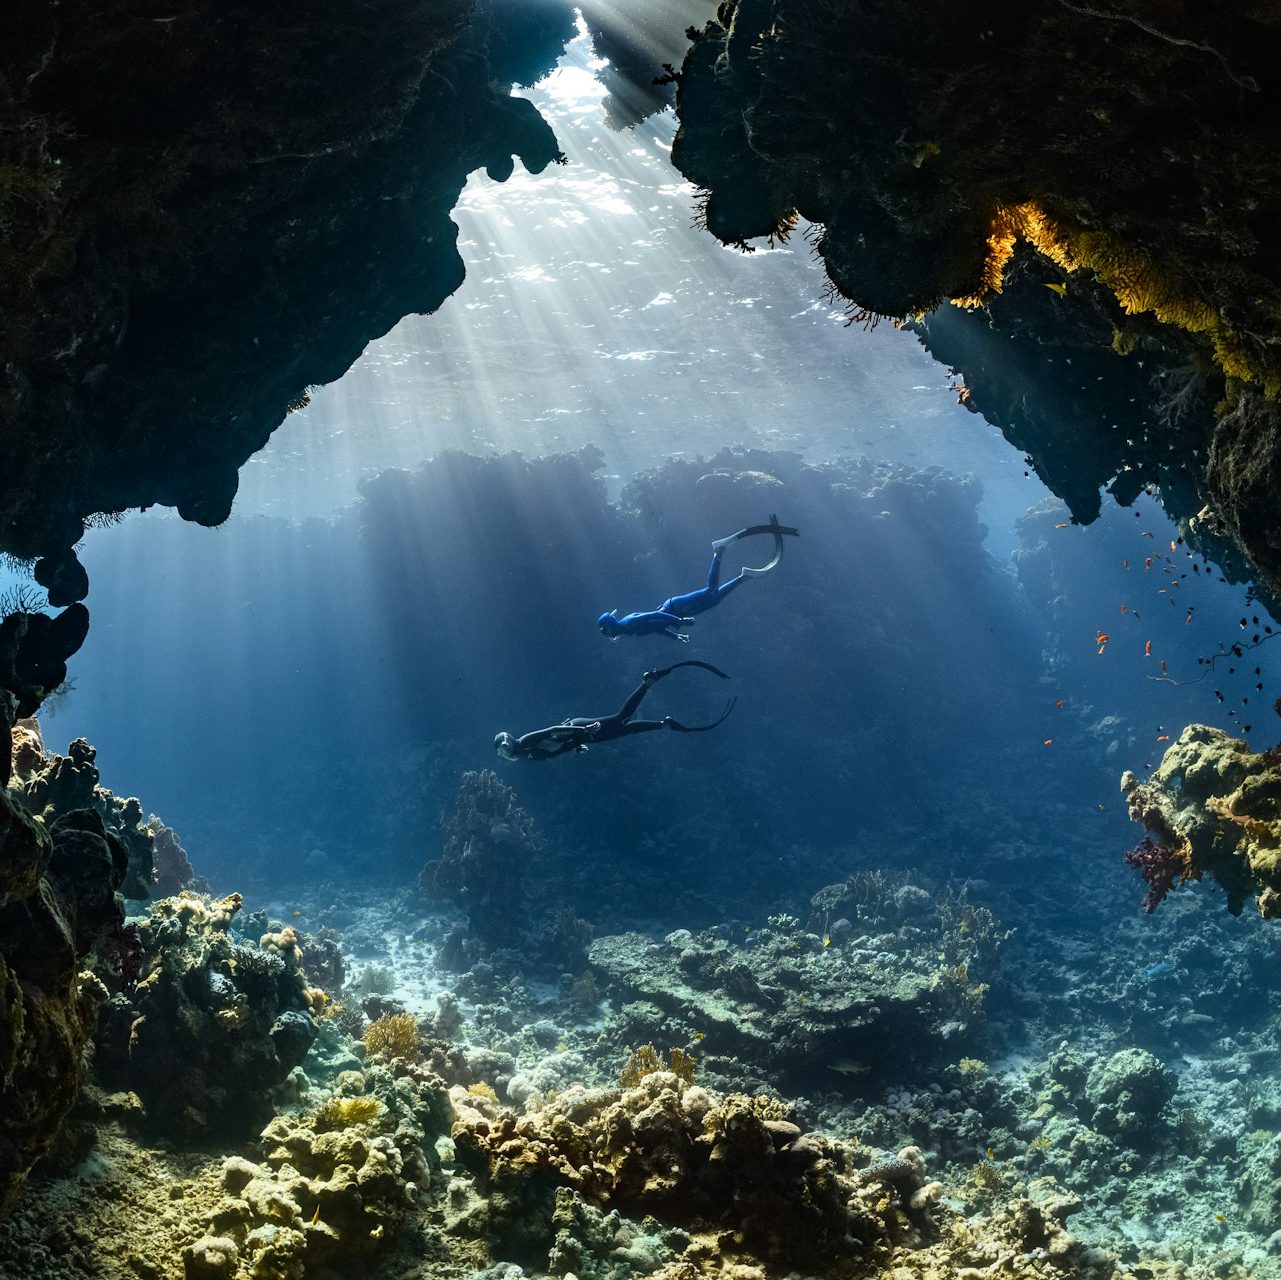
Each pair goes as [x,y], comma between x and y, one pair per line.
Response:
[638,726]
[634,700]
[684,606]
[729,586]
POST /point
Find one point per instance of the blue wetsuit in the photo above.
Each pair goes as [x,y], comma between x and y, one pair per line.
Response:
[675,611]
[678,611]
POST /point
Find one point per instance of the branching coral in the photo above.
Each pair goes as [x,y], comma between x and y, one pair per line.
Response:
[394,1036]
[645,1061]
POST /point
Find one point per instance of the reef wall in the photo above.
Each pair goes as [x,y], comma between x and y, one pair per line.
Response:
[1132,149]
[205,211]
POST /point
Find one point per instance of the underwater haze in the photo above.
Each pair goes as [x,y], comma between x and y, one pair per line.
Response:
[873,931]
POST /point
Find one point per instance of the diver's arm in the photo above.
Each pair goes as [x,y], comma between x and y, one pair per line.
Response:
[676,635]
[545,744]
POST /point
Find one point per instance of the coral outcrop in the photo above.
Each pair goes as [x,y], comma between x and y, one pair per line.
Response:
[58,903]
[1212,807]
[54,786]
[704,1163]
[212,1026]
[330,1188]
[173,869]
[488,846]
[729,1183]
[811,1008]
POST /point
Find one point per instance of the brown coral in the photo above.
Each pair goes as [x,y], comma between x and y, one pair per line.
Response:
[1212,807]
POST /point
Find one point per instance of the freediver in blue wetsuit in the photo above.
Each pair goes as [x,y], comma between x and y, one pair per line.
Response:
[584,731]
[679,611]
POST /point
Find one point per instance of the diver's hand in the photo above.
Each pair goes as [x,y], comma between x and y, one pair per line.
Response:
[688,622]
[682,637]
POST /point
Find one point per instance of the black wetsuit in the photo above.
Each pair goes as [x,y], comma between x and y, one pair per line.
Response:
[580,732]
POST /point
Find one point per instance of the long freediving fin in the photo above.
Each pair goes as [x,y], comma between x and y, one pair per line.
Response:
[692,662]
[778,530]
[701,728]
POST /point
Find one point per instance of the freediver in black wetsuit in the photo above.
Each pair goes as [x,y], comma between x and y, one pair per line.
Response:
[584,731]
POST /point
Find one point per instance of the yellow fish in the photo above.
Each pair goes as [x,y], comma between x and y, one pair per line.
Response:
[700,1035]
[1060,289]
[827,942]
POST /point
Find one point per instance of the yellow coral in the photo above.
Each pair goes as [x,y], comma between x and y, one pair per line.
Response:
[482,1090]
[394,1036]
[343,1113]
[645,1061]
[1139,282]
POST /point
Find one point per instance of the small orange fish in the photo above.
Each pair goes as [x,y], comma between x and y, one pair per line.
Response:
[1125,564]
[1164,672]
[1049,742]
[1164,737]
[1188,618]
[1174,546]
[1061,526]
[1147,564]
[1059,704]
[1125,608]
[1147,649]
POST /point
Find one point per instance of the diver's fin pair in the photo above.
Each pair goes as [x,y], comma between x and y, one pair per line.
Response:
[701,728]
[774,528]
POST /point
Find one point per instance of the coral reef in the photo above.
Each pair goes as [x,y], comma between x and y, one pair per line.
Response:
[58,902]
[808,1008]
[329,1189]
[731,1183]
[1212,807]
[1134,151]
[212,1026]
[173,870]
[488,846]
[54,786]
